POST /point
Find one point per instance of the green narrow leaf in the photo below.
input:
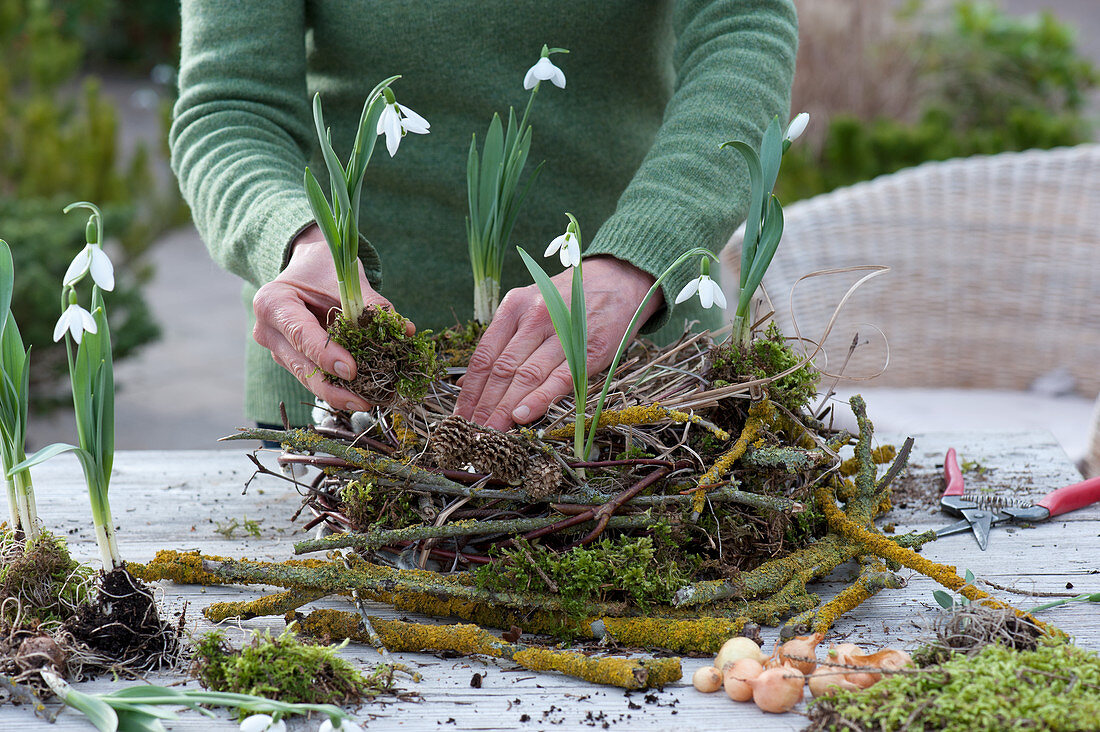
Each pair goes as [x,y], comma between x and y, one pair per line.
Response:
[771,154]
[756,203]
[579,331]
[337,180]
[140,721]
[769,242]
[969,576]
[472,180]
[7,278]
[42,456]
[555,305]
[321,211]
[492,155]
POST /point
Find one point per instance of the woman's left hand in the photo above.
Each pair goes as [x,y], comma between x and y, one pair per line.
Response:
[519,366]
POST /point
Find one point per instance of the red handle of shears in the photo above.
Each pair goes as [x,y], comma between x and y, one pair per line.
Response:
[1072,497]
[953,476]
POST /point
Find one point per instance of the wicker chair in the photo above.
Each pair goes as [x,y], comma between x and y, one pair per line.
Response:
[995,275]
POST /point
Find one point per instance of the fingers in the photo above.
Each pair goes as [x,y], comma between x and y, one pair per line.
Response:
[493,341]
[287,325]
[515,384]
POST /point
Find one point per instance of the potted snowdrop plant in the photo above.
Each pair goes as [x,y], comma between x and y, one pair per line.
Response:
[391,365]
[493,188]
[571,322]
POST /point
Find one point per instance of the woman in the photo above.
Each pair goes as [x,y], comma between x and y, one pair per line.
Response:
[631,144]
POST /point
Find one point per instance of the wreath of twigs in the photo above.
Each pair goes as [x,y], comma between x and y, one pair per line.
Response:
[675,455]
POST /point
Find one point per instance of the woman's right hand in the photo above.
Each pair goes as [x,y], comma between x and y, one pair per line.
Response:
[291,314]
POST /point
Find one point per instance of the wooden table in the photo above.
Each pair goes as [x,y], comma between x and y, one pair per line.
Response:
[176,500]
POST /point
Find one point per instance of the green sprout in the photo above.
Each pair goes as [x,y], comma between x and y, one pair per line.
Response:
[949,601]
[571,324]
[14,391]
[339,222]
[91,372]
[493,191]
[764,225]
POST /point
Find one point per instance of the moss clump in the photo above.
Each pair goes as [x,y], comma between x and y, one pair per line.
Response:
[457,344]
[46,581]
[1054,687]
[391,366]
[366,505]
[765,357]
[605,571]
[285,669]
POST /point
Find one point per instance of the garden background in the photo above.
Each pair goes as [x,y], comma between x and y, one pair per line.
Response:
[85,94]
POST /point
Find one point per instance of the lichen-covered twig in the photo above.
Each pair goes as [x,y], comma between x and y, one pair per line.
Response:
[639,415]
[874,578]
[400,636]
[279,603]
[376,537]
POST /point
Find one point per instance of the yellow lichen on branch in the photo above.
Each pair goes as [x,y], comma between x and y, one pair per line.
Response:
[404,637]
[639,415]
[890,551]
[760,414]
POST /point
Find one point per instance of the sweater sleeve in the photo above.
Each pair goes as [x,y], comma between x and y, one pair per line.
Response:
[242,132]
[734,65]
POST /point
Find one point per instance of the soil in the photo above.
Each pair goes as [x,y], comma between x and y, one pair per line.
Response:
[123,624]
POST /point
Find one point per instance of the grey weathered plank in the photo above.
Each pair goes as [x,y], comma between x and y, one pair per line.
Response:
[175,500]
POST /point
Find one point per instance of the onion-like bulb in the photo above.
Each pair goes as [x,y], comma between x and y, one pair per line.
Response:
[707,679]
[888,659]
[777,689]
[799,653]
[735,649]
[826,682]
[737,676]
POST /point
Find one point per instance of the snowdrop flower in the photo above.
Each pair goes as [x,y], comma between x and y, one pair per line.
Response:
[397,119]
[93,258]
[76,320]
[545,70]
[797,127]
[710,293]
[262,723]
[568,248]
[343,725]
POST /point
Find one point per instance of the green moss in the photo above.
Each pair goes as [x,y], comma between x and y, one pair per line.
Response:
[367,505]
[391,365]
[285,669]
[604,571]
[41,575]
[456,344]
[764,358]
[1054,687]
[635,452]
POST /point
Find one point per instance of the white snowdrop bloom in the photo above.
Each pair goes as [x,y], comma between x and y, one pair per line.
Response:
[397,119]
[544,70]
[567,247]
[797,126]
[710,293]
[76,320]
[262,723]
[344,725]
[93,258]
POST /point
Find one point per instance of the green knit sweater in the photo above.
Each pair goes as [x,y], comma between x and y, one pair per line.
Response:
[631,144]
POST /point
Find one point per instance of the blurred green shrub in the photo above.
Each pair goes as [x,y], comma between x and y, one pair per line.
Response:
[58,144]
[991,82]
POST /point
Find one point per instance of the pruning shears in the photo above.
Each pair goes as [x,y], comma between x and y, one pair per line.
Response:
[980,515]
